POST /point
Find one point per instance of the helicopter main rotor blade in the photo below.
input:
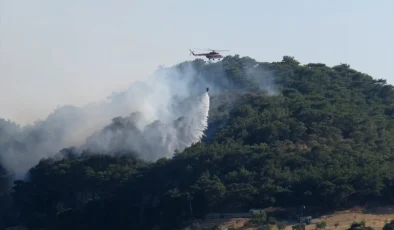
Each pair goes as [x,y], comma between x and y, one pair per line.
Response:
[201,49]
[211,50]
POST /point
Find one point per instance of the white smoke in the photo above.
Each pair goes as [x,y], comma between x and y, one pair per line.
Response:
[162,107]
[153,118]
[157,139]
[192,128]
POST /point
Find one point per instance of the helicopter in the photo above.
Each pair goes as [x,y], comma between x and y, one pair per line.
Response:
[211,55]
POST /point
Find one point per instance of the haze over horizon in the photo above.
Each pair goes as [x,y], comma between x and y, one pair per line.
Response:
[76,52]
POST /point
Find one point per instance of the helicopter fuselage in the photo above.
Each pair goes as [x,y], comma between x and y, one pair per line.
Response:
[213,55]
[210,55]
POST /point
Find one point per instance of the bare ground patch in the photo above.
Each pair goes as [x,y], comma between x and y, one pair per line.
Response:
[375,217]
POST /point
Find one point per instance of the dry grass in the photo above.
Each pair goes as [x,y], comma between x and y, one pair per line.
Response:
[225,222]
[375,218]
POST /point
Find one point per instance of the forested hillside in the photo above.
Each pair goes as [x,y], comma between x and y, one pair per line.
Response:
[279,134]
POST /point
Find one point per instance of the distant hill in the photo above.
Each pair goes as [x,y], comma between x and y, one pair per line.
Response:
[279,134]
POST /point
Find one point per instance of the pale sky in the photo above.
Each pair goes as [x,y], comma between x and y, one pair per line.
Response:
[54,53]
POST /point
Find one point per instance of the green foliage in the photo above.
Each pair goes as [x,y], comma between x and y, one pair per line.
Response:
[281,225]
[259,219]
[298,227]
[389,226]
[359,226]
[324,138]
[321,225]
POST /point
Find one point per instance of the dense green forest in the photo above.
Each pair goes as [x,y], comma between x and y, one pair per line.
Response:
[320,136]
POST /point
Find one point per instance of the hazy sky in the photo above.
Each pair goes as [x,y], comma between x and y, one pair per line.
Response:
[54,53]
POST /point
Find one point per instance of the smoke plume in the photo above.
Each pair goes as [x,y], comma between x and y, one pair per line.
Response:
[168,111]
[156,139]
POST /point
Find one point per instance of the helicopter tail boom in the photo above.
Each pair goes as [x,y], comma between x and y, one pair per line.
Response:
[194,54]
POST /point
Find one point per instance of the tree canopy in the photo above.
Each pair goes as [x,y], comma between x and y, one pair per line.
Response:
[279,134]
